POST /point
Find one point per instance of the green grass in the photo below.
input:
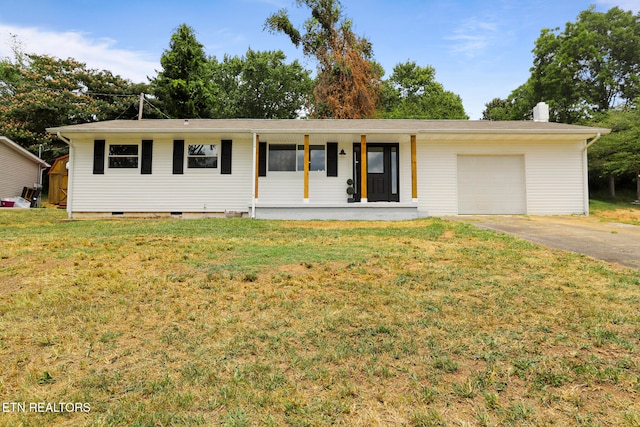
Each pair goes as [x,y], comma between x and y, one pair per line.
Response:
[236,322]
[616,211]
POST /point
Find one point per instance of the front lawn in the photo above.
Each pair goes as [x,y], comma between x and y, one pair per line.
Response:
[236,322]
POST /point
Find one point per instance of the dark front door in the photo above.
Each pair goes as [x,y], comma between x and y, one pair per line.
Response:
[382,172]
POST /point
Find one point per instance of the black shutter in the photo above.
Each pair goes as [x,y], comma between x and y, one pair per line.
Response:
[98,156]
[147,155]
[225,165]
[262,159]
[178,157]
[332,159]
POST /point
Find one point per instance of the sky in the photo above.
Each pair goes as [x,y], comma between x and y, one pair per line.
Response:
[480,49]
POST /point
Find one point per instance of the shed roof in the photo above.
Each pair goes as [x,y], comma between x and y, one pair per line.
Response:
[266,126]
[59,166]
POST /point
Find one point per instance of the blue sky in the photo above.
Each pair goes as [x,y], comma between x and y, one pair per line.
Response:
[481,49]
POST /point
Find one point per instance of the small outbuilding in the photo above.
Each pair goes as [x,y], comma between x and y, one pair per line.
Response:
[58,181]
[19,169]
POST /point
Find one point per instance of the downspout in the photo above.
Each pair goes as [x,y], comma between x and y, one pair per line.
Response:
[586,172]
[70,170]
[593,141]
[253,180]
[41,170]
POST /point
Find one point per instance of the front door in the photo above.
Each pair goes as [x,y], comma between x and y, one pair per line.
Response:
[382,172]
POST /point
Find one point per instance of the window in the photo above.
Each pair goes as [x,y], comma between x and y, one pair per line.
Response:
[202,156]
[316,158]
[282,157]
[375,159]
[289,157]
[123,156]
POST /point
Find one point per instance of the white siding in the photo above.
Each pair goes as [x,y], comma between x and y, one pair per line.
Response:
[288,187]
[16,172]
[197,190]
[555,179]
[554,176]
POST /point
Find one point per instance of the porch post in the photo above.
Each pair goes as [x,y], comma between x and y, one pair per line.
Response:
[363,169]
[414,170]
[306,169]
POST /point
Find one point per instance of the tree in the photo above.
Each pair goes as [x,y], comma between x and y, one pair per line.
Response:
[183,86]
[517,106]
[590,67]
[37,92]
[411,92]
[618,154]
[260,85]
[348,81]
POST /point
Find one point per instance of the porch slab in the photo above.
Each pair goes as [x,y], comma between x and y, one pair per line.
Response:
[351,211]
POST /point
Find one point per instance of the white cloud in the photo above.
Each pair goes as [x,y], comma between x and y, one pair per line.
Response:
[473,37]
[101,54]
[633,5]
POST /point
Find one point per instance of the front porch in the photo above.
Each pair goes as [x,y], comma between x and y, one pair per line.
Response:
[352,211]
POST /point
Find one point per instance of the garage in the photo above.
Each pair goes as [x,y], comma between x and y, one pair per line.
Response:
[491,184]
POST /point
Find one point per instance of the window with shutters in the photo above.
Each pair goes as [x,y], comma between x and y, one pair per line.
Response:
[202,156]
[290,157]
[123,156]
[285,157]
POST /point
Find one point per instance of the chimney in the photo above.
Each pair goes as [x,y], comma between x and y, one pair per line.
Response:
[541,112]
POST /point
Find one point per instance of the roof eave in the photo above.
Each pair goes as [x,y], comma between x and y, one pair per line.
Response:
[584,131]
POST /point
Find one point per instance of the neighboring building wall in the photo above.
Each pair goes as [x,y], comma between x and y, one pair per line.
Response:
[554,174]
[127,190]
[16,172]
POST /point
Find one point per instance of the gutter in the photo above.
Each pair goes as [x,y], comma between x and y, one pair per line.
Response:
[354,131]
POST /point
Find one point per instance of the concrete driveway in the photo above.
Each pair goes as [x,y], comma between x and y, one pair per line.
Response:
[608,241]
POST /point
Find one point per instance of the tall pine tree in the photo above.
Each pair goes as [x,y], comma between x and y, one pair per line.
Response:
[183,86]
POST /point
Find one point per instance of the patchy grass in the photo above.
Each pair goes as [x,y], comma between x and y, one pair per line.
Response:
[237,323]
[615,212]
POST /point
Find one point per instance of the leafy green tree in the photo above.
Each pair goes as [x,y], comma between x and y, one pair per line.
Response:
[37,92]
[411,92]
[517,106]
[591,66]
[183,86]
[260,85]
[617,155]
[348,81]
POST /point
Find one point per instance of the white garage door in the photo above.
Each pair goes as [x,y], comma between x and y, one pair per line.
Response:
[491,185]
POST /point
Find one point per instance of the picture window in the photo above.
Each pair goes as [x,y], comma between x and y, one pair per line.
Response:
[316,158]
[289,157]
